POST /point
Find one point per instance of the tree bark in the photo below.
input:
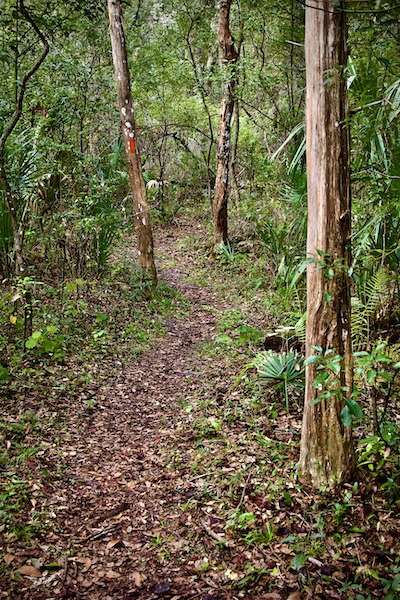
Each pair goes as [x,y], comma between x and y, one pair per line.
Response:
[228,57]
[142,217]
[326,456]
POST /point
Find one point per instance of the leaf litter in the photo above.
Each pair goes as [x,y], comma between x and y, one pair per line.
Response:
[176,486]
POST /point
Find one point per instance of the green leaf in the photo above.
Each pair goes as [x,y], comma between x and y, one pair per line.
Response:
[321,378]
[31,343]
[372,573]
[385,376]
[370,375]
[299,560]
[36,335]
[289,539]
[383,358]
[346,416]
[4,374]
[312,359]
[354,408]
[317,349]
[52,329]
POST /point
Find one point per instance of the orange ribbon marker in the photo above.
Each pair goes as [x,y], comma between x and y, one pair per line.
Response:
[131,145]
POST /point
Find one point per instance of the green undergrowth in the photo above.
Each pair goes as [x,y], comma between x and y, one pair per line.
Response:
[272,534]
[22,439]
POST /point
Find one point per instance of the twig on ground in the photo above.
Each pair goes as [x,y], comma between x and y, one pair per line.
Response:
[215,536]
[113,513]
[244,491]
[101,534]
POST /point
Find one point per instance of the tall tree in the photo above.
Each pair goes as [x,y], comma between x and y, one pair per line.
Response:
[228,57]
[326,449]
[122,77]
[11,198]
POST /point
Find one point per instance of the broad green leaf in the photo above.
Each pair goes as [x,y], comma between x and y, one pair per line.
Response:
[354,408]
[346,416]
[385,376]
[31,343]
[299,560]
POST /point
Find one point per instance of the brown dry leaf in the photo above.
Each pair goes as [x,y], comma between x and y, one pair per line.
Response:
[131,485]
[83,560]
[8,558]
[112,543]
[271,596]
[294,596]
[112,574]
[138,578]
[29,571]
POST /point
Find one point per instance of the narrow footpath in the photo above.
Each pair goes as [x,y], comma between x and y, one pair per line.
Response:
[126,474]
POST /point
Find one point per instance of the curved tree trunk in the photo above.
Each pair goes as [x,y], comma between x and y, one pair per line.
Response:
[12,201]
[326,449]
[142,218]
[228,58]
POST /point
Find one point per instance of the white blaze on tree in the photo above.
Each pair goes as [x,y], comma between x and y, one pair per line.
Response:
[138,190]
[326,447]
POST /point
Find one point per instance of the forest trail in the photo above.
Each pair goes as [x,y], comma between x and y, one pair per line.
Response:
[126,470]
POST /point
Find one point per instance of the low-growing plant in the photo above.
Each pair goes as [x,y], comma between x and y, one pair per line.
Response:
[47,342]
[280,369]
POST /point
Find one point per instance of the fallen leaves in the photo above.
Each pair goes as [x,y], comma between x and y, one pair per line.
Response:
[138,578]
[29,571]
[162,587]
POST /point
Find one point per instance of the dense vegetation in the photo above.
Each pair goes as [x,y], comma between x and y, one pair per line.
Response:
[75,313]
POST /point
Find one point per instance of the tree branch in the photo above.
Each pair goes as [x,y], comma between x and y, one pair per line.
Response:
[20,99]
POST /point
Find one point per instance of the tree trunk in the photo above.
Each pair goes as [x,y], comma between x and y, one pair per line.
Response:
[12,201]
[326,456]
[228,59]
[142,217]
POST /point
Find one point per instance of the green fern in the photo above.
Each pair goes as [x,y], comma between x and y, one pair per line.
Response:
[376,290]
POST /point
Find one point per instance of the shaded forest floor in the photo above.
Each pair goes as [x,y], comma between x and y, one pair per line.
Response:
[160,474]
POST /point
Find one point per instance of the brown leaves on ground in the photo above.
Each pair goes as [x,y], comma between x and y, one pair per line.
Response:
[176,486]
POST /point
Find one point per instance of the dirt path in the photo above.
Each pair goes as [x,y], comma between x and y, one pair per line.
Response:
[125,475]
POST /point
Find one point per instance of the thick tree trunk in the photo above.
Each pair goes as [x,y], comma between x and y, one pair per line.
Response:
[228,59]
[326,449]
[142,217]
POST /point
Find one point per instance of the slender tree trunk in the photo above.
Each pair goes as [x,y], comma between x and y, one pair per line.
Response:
[12,203]
[326,449]
[201,88]
[142,217]
[228,58]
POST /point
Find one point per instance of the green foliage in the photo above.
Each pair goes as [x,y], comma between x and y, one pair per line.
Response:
[47,342]
[328,382]
[280,369]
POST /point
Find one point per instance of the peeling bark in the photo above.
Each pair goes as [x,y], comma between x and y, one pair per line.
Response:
[326,448]
[142,217]
[228,57]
